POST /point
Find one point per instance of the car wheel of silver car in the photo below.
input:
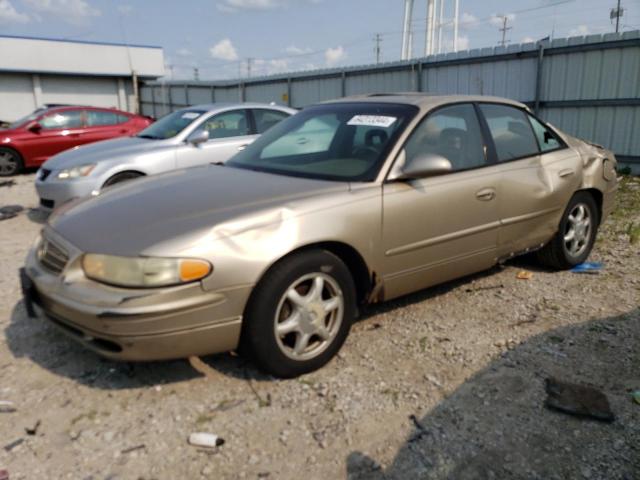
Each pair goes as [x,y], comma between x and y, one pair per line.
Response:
[10,162]
[576,234]
[121,177]
[299,314]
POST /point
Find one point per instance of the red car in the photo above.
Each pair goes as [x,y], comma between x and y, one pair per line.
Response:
[50,130]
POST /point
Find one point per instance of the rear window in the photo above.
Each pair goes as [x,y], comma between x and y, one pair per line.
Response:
[511,132]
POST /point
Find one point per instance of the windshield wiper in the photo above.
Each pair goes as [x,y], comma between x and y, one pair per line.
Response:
[151,137]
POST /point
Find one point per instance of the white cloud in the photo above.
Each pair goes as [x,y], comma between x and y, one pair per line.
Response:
[579,31]
[224,50]
[184,52]
[125,9]
[335,55]
[467,20]
[231,6]
[293,50]
[8,14]
[71,11]
[497,19]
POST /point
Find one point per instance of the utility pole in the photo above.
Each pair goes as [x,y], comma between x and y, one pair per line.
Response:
[196,74]
[504,29]
[249,62]
[617,13]
[377,49]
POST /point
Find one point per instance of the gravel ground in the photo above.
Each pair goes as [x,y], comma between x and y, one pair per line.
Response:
[445,383]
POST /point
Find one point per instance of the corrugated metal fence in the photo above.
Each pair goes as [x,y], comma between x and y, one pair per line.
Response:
[586,86]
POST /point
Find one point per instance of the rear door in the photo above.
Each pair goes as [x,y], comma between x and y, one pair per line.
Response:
[538,177]
[265,118]
[59,131]
[104,124]
[443,227]
[229,132]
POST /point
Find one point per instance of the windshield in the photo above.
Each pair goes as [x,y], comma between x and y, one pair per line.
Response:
[29,118]
[342,141]
[170,125]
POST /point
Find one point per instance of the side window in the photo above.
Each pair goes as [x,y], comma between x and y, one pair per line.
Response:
[100,118]
[265,119]
[546,138]
[511,132]
[226,125]
[452,132]
[313,136]
[66,119]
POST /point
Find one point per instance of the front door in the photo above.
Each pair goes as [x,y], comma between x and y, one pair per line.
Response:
[439,228]
[229,132]
[59,131]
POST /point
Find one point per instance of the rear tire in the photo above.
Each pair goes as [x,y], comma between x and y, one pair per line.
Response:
[576,234]
[10,162]
[299,314]
[121,177]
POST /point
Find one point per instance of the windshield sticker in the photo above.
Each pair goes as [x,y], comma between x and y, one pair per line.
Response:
[190,115]
[372,121]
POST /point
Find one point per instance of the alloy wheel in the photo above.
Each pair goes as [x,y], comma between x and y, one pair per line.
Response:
[309,316]
[578,230]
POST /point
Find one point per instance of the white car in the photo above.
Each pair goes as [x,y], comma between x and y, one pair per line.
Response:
[192,136]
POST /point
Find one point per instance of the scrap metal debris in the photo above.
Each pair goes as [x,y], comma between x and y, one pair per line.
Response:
[578,400]
[132,449]
[14,444]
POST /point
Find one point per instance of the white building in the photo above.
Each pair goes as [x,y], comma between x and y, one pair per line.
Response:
[38,71]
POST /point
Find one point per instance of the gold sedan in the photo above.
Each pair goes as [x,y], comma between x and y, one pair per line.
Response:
[345,203]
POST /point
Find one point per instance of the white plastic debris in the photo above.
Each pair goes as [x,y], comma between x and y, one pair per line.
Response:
[7,407]
[206,440]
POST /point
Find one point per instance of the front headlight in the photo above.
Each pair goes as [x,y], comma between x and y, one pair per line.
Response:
[144,271]
[75,172]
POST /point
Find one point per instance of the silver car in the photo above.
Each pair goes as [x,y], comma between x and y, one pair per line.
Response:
[192,136]
[343,204]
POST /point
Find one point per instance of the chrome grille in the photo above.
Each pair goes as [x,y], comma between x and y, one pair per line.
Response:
[51,256]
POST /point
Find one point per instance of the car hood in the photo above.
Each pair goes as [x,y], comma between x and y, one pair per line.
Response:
[104,151]
[178,207]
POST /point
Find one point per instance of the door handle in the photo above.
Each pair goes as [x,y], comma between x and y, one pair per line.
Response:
[486,194]
[242,147]
[566,172]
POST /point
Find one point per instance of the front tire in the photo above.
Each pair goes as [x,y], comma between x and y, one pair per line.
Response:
[10,162]
[576,234]
[299,314]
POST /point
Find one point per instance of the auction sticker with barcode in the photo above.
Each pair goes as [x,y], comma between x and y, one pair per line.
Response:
[372,121]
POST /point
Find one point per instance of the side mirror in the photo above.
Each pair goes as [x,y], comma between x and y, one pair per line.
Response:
[200,137]
[547,136]
[34,127]
[424,165]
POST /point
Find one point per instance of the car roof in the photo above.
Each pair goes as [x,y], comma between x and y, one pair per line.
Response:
[423,100]
[211,107]
[62,108]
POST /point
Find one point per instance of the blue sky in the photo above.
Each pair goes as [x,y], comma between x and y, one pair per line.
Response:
[218,36]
